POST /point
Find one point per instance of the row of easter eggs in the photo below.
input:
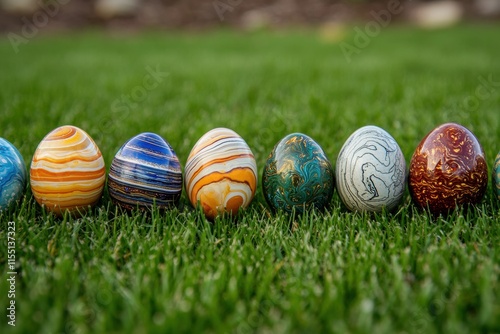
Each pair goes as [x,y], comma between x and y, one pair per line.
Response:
[67,172]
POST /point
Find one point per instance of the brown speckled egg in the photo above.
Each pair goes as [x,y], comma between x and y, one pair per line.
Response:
[447,169]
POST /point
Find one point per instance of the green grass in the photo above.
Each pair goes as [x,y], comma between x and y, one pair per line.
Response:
[336,271]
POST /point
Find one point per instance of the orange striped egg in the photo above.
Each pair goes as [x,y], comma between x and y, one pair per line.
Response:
[221,173]
[67,171]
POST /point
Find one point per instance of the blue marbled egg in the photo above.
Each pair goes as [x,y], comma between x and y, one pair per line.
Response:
[12,174]
[145,171]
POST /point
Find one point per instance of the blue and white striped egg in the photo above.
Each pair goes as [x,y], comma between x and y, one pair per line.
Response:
[12,174]
[145,172]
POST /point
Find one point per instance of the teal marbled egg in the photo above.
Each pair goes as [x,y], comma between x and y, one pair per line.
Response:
[298,175]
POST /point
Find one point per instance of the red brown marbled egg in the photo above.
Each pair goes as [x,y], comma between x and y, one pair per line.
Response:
[447,169]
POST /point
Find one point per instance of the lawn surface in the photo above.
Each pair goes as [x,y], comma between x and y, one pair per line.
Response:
[336,271]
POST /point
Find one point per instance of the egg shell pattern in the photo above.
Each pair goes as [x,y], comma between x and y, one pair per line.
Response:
[370,171]
[221,173]
[297,175]
[67,171]
[12,174]
[144,171]
[496,176]
[448,168]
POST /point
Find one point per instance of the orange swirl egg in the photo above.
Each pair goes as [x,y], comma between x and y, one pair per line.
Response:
[67,171]
[221,173]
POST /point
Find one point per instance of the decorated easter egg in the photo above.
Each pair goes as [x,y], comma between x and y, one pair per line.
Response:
[67,171]
[448,168]
[297,175]
[221,173]
[370,171]
[12,174]
[145,172]
[496,176]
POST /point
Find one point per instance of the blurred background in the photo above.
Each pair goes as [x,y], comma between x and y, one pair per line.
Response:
[244,14]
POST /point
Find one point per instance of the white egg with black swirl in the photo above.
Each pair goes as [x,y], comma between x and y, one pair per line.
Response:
[371,171]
